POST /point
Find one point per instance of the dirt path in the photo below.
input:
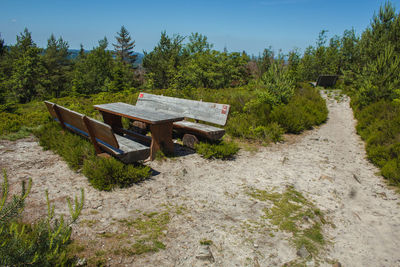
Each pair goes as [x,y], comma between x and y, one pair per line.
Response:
[209,201]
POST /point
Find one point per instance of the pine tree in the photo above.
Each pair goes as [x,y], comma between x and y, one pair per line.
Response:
[124,47]
[57,65]
[93,70]
[27,68]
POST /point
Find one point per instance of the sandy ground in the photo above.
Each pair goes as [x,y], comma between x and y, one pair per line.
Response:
[328,165]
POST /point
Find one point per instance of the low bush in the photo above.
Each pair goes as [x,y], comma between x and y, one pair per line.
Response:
[305,109]
[219,150]
[106,173]
[103,173]
[271,133]
[379,125]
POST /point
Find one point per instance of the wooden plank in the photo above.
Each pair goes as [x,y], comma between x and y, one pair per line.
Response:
[139,113]
[133,151]
[71,117]
[103,132]
[204,111]
[92,134]
[211,132]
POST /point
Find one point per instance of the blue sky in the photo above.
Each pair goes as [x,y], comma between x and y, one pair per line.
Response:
[236,24]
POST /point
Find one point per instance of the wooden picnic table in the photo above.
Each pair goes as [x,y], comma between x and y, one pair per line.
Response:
[160,123]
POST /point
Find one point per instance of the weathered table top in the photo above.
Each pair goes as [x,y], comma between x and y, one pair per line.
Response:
[138,113]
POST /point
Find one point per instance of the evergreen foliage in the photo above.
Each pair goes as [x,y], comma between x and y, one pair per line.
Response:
[43,243]
[219,150]
[124,47]
[92,71]
[58,67]
[162,63]
[27,69]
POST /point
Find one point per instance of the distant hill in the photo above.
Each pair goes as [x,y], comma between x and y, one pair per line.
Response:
[73,53]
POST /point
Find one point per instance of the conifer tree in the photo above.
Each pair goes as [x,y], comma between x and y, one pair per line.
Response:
[57,65]
[92,71]
[27,68]
[124,47]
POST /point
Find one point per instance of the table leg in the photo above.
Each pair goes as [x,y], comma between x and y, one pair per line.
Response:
[113,120]
[161,138]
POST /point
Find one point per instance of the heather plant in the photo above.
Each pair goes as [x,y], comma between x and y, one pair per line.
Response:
[217,150]
[42,243]
[306,109]
[107,173]
[379,125]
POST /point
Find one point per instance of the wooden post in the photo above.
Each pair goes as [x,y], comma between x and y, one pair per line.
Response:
[113,120]
[92,135]
[161,138]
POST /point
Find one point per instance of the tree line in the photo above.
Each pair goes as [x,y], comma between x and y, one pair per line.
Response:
[369,63]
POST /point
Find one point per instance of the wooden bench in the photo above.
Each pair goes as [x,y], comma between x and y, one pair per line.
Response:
[100,134]
[190,109]
[325,81]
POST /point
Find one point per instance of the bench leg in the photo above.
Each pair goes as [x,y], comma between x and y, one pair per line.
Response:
[114,121]
[161,139]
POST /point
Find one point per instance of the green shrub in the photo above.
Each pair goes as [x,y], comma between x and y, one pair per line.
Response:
[304,110]
[271,133]
[73,148]
[43,243]
[391,171]
[221,150]
[106,173]
[379,125]
[239,125]
[103,173]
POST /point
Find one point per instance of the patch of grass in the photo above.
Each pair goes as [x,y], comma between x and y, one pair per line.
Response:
[107,235]
[100,253]
[291,212]
[75,248]
[97,261]
[148,230]
[160,156]
[206,242]
[89,223]
[21,133]
[219,150]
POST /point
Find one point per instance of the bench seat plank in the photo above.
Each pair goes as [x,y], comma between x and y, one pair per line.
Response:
[211,132]
[133,151]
